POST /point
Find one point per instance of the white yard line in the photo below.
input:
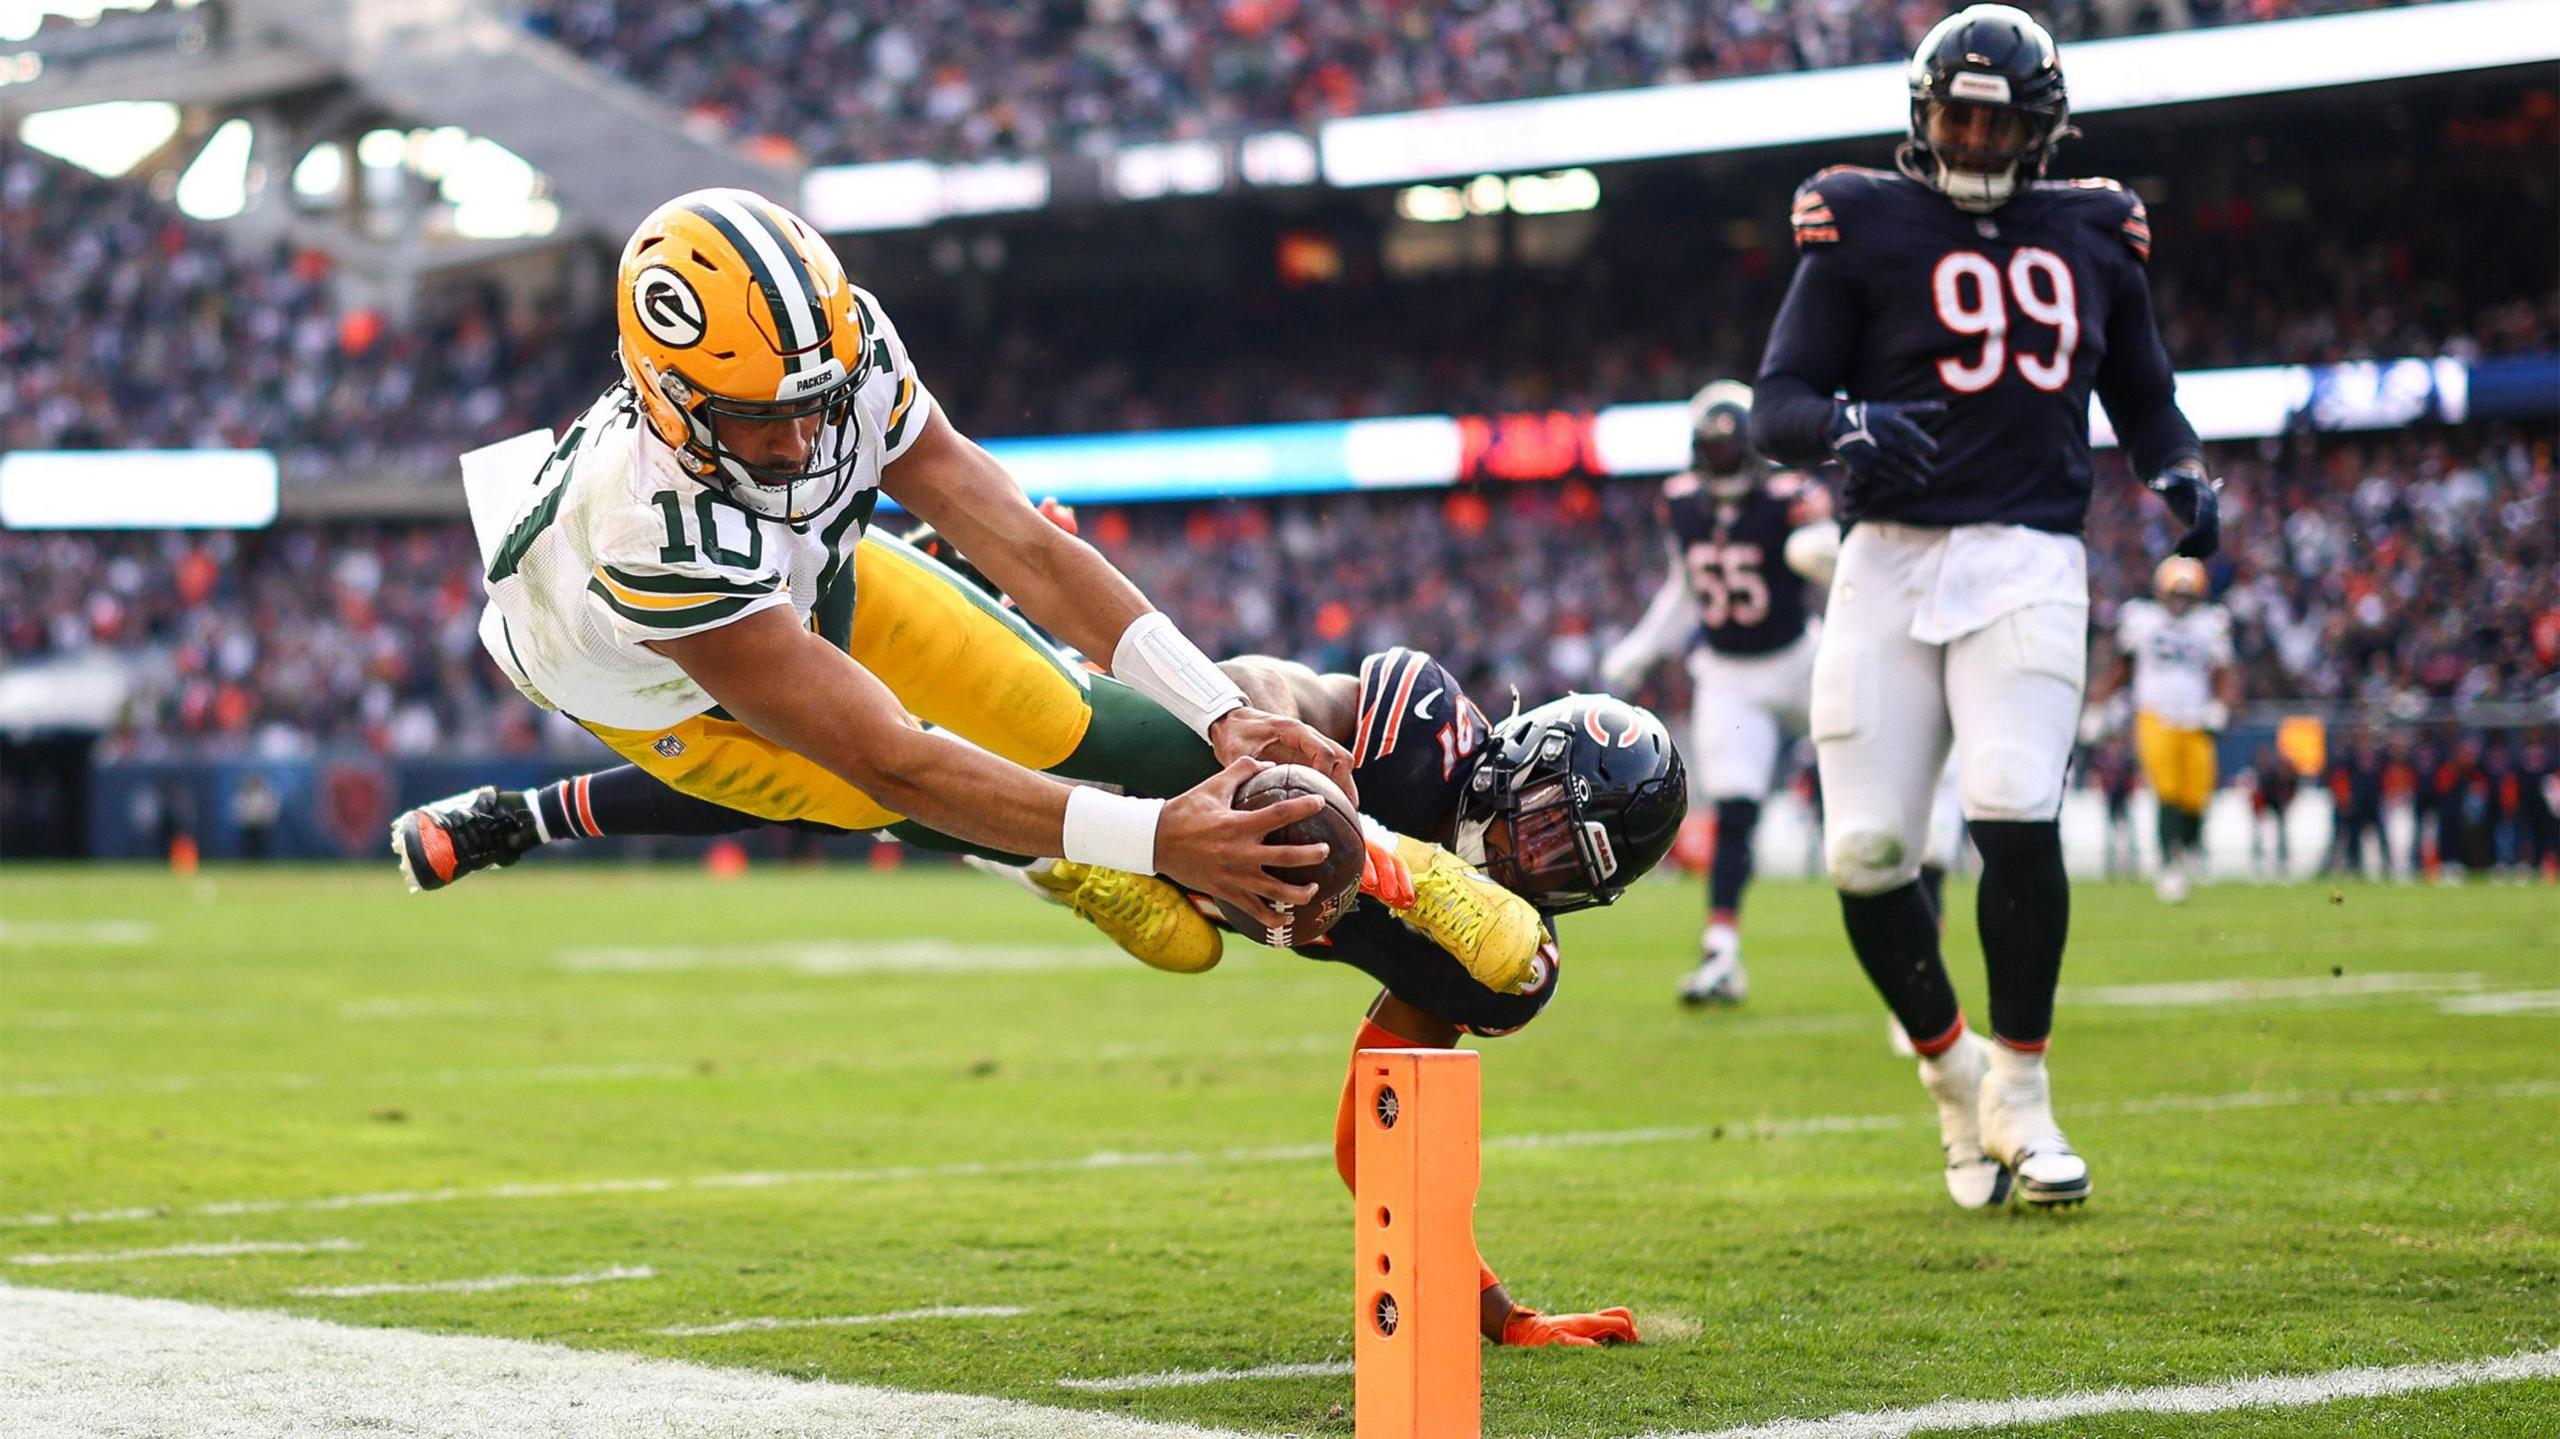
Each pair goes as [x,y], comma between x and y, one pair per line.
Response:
[2307,990]
[195,1251]
[2268,1391]
[188,1083]
[1184,1378]
[832,1321]
[83,1364]
[75,931]
[2515,1001]
[844,956]
[1106,1160]
[476,1286]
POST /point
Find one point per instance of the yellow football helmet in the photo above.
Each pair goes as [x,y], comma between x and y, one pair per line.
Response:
[731,308]
[2179,578]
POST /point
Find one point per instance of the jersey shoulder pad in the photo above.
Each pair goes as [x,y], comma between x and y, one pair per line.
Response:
[893,399]
[1396,684]
[1785,484]
[1679,487]
[2110,207]
[1821,200]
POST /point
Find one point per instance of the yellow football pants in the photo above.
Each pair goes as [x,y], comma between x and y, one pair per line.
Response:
[954,657]
[2179,763]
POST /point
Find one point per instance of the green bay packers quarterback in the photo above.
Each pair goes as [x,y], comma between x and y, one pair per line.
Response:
[684,578]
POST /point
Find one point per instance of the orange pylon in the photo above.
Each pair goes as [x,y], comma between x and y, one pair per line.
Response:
[1419,1365]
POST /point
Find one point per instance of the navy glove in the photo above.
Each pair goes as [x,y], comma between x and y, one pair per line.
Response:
[2197,502]
[1885,447]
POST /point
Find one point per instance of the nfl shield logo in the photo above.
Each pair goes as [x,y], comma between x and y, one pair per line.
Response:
[669,746]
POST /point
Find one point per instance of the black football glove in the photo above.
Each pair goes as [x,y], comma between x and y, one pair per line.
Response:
[1885,447]
[2197,502]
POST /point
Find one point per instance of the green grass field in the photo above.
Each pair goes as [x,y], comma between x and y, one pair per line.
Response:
[2354,1163]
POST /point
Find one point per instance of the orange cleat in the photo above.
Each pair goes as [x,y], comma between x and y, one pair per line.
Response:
[1529,1329]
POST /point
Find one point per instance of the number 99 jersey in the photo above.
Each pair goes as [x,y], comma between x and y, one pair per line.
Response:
[1734,552]
[2011,318]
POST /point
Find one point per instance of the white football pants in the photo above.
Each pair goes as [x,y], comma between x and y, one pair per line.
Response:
[1742,709]
[2001,686]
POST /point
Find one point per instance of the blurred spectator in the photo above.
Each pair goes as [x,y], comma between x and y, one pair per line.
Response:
[949,79]
[2404,574]
[123,324]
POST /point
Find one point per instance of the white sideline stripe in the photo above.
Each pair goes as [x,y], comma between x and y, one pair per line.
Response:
[2244,991]
[895,1316]
[1183,1378]
[195,1251]
[1106,1160]
[475,1286]
[2266,1391]
[186,1083]
[156,1366]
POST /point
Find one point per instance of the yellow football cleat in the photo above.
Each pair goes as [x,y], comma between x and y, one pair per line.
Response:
[1485,927]
[1144,915]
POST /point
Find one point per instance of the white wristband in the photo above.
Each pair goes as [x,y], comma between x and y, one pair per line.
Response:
[1115,831]
[1162,663]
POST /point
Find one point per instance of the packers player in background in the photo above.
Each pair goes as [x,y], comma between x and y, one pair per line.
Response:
[1941,338]
[2175,650]
[684,577]
[1728,520]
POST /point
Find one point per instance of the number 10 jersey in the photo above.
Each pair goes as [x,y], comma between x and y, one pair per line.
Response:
[615,545]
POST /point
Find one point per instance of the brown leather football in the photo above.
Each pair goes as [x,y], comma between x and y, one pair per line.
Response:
[1337,879]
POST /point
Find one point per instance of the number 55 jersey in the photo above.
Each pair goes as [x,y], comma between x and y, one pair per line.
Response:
[2011,319]
[615,545]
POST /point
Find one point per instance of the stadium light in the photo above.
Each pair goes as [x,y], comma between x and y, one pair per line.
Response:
[137,490]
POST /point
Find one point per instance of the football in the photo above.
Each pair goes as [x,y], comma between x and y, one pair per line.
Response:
[1337,878]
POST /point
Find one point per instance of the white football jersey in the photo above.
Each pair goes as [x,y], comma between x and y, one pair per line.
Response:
[2174,657]
[615,545]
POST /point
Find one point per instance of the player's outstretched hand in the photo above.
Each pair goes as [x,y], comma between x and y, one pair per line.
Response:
[2197,502]
[1246,732]
[1206,844]
[1886,444]
[1529,1329]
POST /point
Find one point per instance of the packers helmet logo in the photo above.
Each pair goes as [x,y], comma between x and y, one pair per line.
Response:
[668,307]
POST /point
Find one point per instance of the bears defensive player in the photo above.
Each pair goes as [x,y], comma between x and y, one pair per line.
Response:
[1941,338]
[1729,519]
[1566,805]
[2176,653]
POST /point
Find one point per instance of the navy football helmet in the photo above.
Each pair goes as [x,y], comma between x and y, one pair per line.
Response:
[1573,801]
[1997,58]
[1720,452]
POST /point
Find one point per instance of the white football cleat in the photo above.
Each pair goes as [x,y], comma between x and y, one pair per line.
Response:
[2017,1128]
[1719,978]
[2172,887]
[1955,1079]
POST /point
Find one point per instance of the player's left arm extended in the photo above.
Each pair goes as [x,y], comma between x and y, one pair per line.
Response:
[2140,392]
[1067,587]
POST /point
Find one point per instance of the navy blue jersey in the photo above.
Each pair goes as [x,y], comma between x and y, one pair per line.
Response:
[1735,554]
[1414,743]
[2012,319]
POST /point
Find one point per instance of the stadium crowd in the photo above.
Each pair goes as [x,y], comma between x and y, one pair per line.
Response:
[952,80]
[2407,569]
[124,324]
